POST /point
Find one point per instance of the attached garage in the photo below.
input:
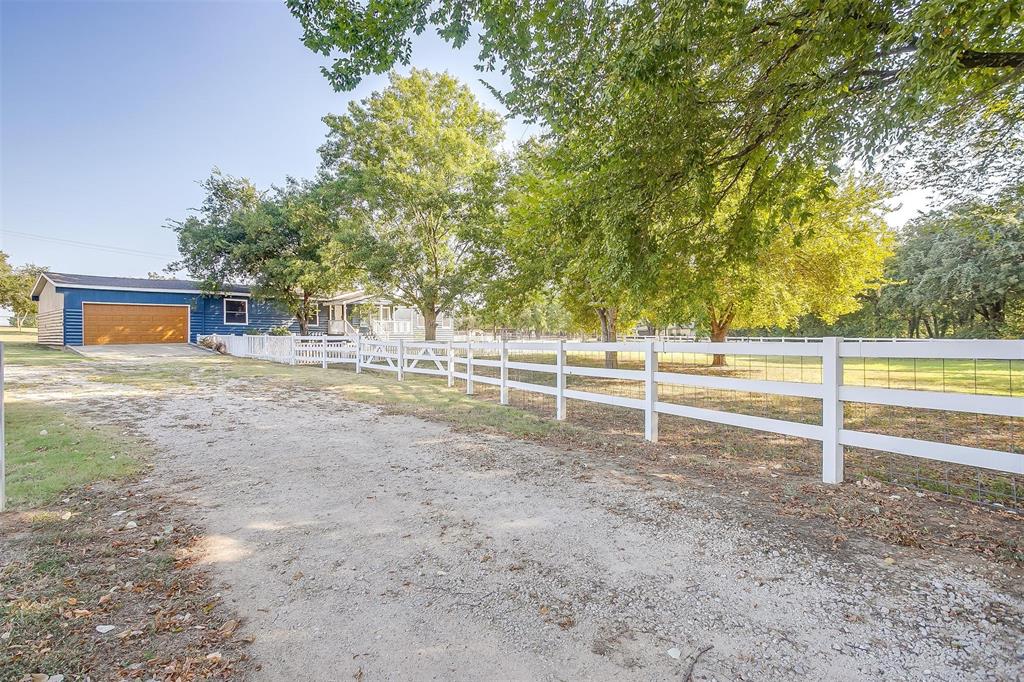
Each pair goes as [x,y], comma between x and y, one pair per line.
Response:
[110,323]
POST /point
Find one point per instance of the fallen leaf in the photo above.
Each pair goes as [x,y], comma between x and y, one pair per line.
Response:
[228,628]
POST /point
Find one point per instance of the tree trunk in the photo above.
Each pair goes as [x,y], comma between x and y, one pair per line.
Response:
[429,323]
[928,329]
[719,334]
[303,317]
[608,334]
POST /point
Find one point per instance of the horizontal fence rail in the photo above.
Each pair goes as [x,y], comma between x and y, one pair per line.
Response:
[463,361]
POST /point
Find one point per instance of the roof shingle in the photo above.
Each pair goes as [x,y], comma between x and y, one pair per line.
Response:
[100,282]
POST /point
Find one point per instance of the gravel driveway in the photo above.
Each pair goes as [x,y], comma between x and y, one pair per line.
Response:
[361,545]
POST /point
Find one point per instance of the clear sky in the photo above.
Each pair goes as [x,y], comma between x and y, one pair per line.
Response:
[111,112]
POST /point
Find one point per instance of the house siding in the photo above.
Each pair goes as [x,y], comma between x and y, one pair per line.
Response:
[50,318]
[206,313]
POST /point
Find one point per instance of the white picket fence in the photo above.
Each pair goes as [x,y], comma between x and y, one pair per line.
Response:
[456,361]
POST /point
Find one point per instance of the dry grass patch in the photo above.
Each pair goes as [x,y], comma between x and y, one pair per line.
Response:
[97,586]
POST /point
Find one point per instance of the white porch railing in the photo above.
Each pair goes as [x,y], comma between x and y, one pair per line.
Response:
[456,361]
[341,328]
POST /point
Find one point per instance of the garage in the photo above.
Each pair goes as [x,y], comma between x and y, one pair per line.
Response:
[96,310]
[110,323]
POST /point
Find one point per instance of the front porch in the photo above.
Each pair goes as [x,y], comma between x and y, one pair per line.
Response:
[380,319]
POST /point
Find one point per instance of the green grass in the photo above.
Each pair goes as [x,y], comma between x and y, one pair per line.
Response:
[20,348]
[417,394]
[150,377]
[992,377]
[40,467]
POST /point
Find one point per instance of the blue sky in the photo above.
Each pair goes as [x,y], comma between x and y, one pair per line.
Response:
[111,113]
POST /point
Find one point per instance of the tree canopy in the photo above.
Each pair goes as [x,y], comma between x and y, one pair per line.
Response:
[16,289]
[697,133]
[960,270]
[414,175]
[754,81]
[819,265]
[276,241]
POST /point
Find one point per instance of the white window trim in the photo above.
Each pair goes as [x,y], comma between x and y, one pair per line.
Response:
[310,323]
[224,310]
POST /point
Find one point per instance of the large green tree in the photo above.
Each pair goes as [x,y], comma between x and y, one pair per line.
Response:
[960,270]
[415,175]
[855,75]
[16,289]
[554,240]
[820,264]
[688,131]
[276,241]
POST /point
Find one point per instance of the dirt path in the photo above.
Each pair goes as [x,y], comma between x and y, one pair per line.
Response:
[370,546]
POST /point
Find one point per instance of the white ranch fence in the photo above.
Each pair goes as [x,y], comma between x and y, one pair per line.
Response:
[456,361]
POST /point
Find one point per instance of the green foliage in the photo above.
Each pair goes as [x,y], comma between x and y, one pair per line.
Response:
[279,331]
[278,241]
[958,271]
[701,133]
[821,265]
[555,245]
[415,175]
[870,320]
[713,90]
[16,289]
[538,312]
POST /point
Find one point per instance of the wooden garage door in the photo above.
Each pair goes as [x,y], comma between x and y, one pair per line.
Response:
[104,324]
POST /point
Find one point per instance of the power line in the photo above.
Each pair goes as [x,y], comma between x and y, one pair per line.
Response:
[121,250]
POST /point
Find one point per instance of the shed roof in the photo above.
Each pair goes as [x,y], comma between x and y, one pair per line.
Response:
[181,286]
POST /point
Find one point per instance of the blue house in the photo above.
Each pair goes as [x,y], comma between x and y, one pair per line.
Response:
[76,310]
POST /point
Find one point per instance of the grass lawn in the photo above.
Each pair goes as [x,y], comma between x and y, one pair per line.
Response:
[64,574]
[993,377]
[20,348]
[49,451]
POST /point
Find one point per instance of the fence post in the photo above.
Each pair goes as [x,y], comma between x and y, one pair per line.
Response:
[504,371]
[650,394]
[294,359]
[451,363]
[469,368]
[324,351]
[401,359]
[560,380]
[831,411]
[3,451]
[359,352]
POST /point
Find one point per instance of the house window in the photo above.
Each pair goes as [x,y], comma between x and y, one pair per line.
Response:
[236,311]
[313,317]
